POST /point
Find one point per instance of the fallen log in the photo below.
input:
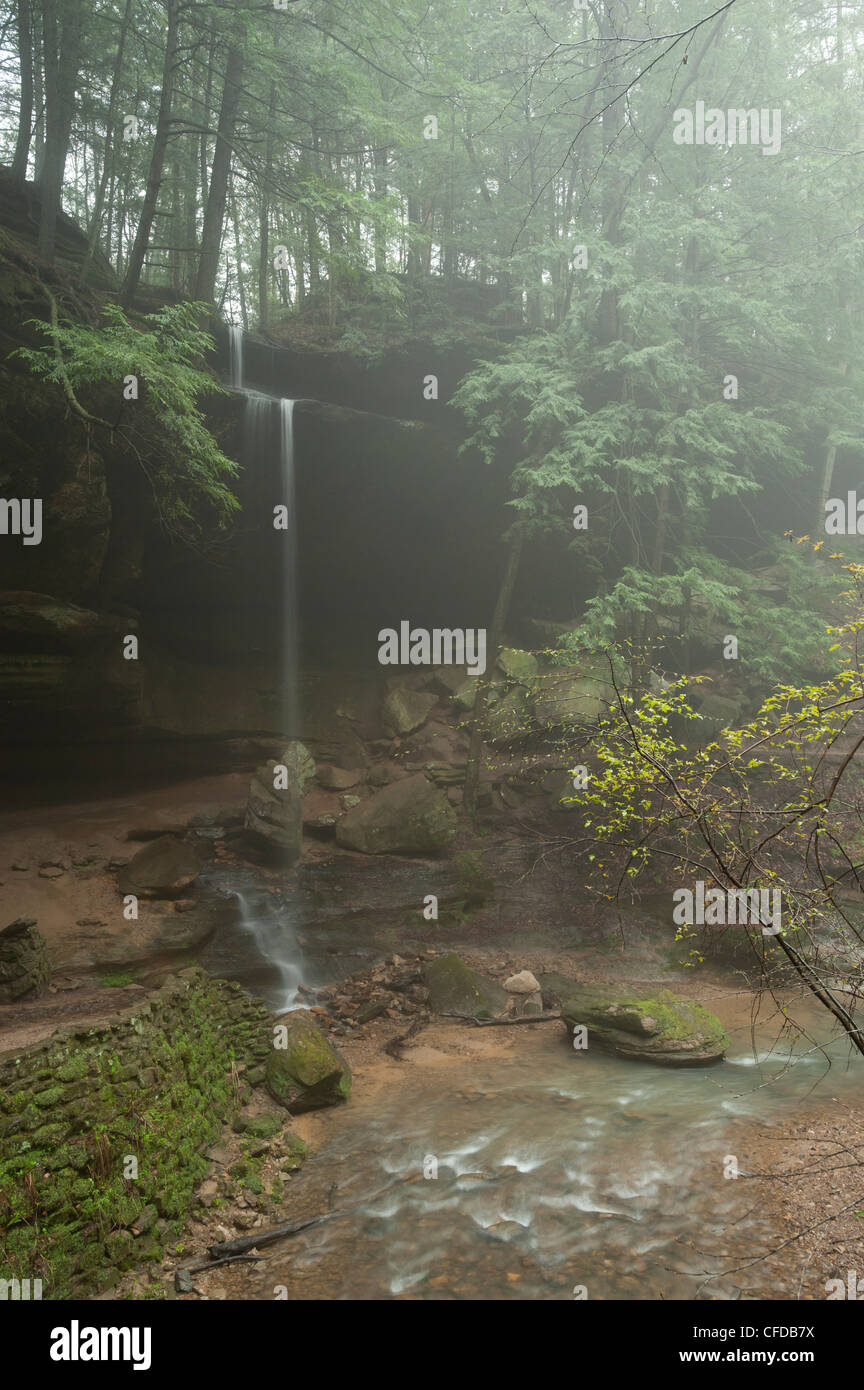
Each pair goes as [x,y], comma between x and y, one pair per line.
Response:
[233,1248]
[501,1022]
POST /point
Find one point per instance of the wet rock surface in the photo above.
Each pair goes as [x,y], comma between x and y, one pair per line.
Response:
[662,1028]
[164,868]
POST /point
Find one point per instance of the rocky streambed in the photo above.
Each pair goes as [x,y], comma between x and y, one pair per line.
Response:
[514,1095]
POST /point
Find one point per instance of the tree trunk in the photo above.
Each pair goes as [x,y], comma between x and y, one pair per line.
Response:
[481,699]
[108,161]
[264,218]
[157,160]
[214,217]
[62,47]
[25,106]
[39,97]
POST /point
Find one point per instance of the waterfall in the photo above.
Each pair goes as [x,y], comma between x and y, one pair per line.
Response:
[235,357]
[268,432]
[264,415]
[274,937]
[290,703]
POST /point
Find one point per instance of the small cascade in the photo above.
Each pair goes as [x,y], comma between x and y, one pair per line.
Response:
[276,942]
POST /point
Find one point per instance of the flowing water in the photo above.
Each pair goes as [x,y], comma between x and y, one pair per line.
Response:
[555,1171]
[266,922]
[511,1167]
[268,436]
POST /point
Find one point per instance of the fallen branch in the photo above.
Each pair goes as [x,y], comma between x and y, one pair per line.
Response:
[233,1248]
[501,1022]
[199,1266]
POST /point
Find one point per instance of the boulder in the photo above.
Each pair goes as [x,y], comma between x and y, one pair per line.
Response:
[565,701]
[466,693]
[447,679]
[306,1074]
[339,779]
[518,665]
[164,868]
[524,991]
[24,965]
[453,988]
[321,809]
[523,983]
[409,816]
[404,711]
[274,812]
[662,1028]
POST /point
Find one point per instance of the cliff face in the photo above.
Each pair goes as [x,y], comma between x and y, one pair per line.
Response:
[392,524]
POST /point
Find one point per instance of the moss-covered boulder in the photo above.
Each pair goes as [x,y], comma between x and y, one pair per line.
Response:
[412,815]
[454,989]
[262,1124]
[305,1073]
[659,1028]
[518,665]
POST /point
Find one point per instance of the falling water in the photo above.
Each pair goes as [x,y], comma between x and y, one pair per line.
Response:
[265,920]
[268,424]
[290,712]
[262,412]
[235,358]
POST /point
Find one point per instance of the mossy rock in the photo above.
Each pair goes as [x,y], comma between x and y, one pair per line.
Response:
[454,989]
[306,1074]
[295,1153]
[564,701]
[260,1126]
[411,816]
[662,1028]
[518,665]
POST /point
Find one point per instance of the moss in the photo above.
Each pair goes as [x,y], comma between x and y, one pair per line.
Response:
[679,1019]
[64,1214]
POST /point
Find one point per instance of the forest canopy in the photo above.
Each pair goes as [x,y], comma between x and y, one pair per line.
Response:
[646,216]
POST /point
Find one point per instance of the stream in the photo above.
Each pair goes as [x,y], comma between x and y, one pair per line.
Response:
[555,1171]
